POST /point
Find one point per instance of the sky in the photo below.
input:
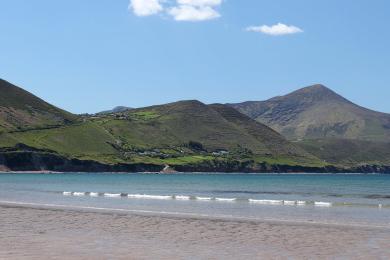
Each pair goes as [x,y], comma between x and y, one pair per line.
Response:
[92,55]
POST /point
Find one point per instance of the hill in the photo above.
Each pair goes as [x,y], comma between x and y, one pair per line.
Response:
[21,110]
[272,141]
[216,127]
[186,135]
[317,112]
[117,109]
[193,128]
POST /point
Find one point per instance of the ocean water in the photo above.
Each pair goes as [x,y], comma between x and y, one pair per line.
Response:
[340,199]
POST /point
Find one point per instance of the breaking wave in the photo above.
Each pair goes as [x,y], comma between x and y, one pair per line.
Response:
[297,203]
[335,195]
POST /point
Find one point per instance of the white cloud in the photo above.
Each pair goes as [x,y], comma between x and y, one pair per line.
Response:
[275,30]
[200,2]
[146,7]
[180,10]
[193,13]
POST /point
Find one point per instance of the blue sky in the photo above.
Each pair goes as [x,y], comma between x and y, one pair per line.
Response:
[87,56]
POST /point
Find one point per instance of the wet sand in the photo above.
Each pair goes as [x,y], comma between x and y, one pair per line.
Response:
[39,233]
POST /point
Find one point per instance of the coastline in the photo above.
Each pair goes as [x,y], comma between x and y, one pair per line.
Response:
[33,232]
[43,162]
[195,173]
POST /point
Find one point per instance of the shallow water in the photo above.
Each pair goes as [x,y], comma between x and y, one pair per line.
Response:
[345,199]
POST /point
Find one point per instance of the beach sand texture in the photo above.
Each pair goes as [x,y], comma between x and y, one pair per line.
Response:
[31,233]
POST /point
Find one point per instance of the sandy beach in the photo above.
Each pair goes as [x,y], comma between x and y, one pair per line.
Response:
[47,233]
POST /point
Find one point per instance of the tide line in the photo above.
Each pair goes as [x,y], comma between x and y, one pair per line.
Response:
[184,214]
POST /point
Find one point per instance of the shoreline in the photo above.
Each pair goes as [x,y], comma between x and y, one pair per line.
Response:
[180,215]
[196,173]
[35,233]
[39,161]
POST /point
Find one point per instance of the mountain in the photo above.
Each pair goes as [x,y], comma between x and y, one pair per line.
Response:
[21,110]
[187,135]
[317,112]
[117,109]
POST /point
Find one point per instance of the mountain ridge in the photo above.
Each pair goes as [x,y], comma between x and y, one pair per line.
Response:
[318,112]
[187,135]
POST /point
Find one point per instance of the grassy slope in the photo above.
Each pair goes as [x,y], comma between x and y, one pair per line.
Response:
[84,141]
[283,152]
[131,136]
[346,152]
[20,109]
[216,127]
[169,128]
[178,123]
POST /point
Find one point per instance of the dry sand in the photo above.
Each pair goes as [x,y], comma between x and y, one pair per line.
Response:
[32,233]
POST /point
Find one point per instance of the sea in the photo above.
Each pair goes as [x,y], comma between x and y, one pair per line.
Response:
[347,199]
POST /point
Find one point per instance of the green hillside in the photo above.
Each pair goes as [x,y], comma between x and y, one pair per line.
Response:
[184,133]
[177,124]
[187,135]
[347,152]
[21,110]
[269,140]
[83,141]
[191,128]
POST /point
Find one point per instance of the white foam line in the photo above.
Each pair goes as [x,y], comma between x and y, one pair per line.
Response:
[182,197]
[266,202]
[256,201]
[153,197]
[204,198]
[136,196]
[225,199]
[78,194]
[322,204]
[112,195]
[194,215]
